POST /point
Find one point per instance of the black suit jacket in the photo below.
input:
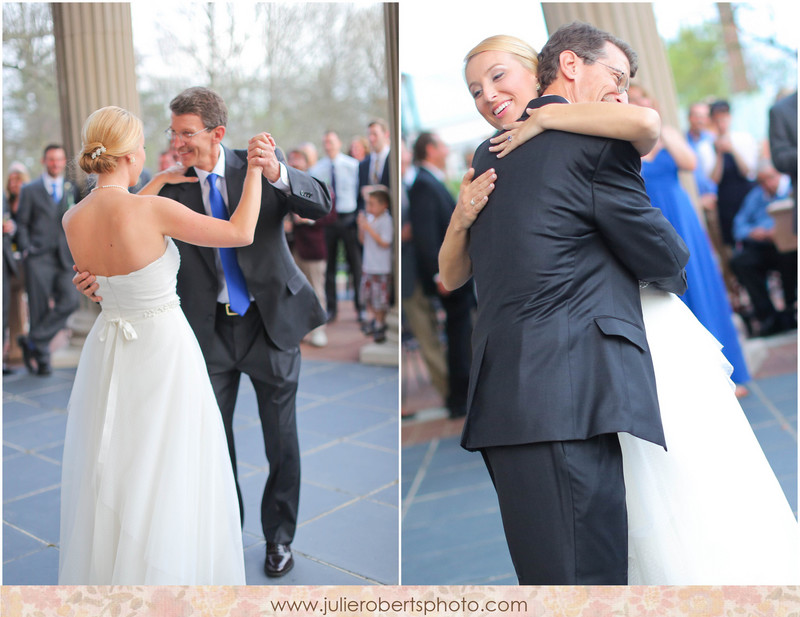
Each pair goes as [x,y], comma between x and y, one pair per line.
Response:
[288,306]
[783,136]
[559,344]
[430,209]
[363,177]
[39,229]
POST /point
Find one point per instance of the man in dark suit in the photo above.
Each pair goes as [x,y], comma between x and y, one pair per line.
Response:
[252,321]
[48,262]
[783,139]
[561,362]
[430,208]
[373,169]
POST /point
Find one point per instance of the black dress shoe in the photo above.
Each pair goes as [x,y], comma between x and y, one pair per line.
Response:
[279,559]
[27,353]
[44,369]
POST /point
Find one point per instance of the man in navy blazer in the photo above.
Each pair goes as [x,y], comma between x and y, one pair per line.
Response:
[430,208]
[561,362]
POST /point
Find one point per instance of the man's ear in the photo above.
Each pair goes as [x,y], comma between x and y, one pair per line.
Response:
[218,133]
[569,63]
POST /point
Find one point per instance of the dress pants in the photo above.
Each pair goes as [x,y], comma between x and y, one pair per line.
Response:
[45,279]
[752,263]
[422,322]
[343,229]
[458,306]
[314,269]
[241,345]
[563,510]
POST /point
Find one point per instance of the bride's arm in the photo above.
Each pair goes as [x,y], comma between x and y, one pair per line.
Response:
[182,223]
[455,265]
[639,125]
[679,148]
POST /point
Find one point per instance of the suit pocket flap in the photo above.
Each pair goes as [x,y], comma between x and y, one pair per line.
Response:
[295,283]
[612,326]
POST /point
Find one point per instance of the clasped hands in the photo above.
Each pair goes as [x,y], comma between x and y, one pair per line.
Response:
[261,153]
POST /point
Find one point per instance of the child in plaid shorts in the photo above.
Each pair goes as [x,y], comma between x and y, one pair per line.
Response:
[376,231]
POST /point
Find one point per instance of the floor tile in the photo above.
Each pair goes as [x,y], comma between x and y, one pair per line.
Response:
[28,474]
[373,555]
[38,514]
[350,467]
[39,568]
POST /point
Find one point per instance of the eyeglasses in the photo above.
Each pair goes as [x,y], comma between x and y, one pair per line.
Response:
[184,136]
[623,82]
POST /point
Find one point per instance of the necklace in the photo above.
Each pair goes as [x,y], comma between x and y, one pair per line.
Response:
[110,186]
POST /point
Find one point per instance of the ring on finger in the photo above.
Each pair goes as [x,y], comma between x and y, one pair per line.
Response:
[509,138]
[472,202]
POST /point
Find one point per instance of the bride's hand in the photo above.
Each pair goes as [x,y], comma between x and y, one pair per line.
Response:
[472,197]
[516,134]
[175,174]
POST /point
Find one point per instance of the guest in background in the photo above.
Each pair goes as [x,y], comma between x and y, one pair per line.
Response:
[417,307]
[359,147]
[340,172]
[52,298]
[431,206]
[308,249]
[376,231]
[734,168]
[706,295]
[783,139]
[756,254]
[12,284]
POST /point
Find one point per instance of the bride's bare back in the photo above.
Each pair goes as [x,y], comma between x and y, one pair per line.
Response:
[113,232]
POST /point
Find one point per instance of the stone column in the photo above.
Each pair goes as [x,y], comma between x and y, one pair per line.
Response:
[387,353]
[94,68]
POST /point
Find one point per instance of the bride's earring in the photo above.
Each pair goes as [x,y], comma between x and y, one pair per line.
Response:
[133,159]
[538,86]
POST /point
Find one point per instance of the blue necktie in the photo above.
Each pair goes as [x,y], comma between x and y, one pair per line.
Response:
[333,185]
[238,296]
[55,192]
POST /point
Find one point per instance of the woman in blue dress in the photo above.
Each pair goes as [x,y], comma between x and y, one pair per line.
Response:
[706,296]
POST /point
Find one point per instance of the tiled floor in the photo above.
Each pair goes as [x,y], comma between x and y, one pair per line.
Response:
[451,527]
[349,511]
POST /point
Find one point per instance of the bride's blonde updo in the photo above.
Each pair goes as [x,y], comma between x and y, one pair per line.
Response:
[509,44]
[109,133]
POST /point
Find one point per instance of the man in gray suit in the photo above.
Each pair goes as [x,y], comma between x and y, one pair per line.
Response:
[560,362]
[249,313]
[48,263]
[783,139]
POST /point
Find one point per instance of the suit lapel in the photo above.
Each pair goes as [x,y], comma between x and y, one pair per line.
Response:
[189,193]
[191,196]
[235,172]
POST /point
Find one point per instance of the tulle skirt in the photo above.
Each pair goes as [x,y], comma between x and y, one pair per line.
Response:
[709,510]
[148,494]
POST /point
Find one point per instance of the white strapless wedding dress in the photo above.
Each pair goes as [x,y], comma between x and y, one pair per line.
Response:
[147,493]
[709,510]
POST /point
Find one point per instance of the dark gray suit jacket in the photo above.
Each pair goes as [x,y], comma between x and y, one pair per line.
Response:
[783,136]
[288,305]
[39,229]
[559,347]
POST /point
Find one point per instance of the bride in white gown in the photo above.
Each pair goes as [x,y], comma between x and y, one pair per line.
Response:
[148,495]
[709,510]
